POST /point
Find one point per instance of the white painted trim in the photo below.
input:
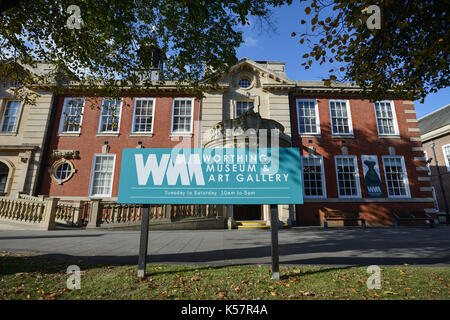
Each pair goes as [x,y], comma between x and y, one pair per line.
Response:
[350,122]
[447,163]
[405,180]
[133,129]
[358,184]
[316,109]
[62,118]
[92,175]
[180,133]
[394,118]
[100,117]
[426,161]
[324,186]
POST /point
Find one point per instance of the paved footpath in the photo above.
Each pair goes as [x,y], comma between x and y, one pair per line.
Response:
[300,245]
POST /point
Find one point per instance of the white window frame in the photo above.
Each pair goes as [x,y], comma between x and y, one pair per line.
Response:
[172,117]
[350,122]
[322,171]
[394,118]
[405,180]
[447,163]
[101,117]
[16,124]
[358,183]
[133,127]
[241,100]
[91,180]
[427,164]
[63,117]
[316,110]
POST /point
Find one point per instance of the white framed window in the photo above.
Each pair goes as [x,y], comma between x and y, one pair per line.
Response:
[347,174]
[102,175]
[308,116]
[10,116]
[182,115]
[243,106]
[446,152]
[143,115]
[386,118]
[396,177]
[340,116]
[244,83]
[72,115]
[109,121]
[427,163]
[313,177]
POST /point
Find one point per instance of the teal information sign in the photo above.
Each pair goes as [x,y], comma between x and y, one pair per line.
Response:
[211,176]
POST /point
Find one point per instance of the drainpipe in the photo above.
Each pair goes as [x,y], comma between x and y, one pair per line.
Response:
[447,216]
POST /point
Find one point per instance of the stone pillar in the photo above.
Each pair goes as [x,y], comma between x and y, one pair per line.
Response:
[77,215]
[266,213]
[94,214]
[230,220]
[49,214]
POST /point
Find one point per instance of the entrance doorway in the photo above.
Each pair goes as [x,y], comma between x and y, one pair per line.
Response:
[247,212]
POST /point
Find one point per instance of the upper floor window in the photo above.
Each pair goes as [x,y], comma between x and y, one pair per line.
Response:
[347,177]
[10,116]
[244,83]
[243,106]
[308,116]
[72,115]
[396,177]
[446,151]
[341,120]
[143,115]
[386,119]
[102,174]
[313,177]
[182,115]
[110,115]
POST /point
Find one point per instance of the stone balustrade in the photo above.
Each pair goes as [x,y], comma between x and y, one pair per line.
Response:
[28,214]
[44,212]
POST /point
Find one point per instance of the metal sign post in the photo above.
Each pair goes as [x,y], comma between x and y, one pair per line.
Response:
[143,244]
[274,244]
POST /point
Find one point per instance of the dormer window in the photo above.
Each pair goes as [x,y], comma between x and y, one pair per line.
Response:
[244,83]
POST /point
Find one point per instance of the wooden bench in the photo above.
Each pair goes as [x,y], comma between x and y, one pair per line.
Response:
[398,216]
[336,215]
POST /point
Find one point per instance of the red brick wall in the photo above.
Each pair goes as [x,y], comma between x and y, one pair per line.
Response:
[88,143]
[365,142]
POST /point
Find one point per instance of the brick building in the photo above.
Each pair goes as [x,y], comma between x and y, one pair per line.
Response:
[335,130]
[357,155]
[435,134]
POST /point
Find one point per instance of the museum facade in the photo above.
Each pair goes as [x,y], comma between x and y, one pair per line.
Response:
[357,155]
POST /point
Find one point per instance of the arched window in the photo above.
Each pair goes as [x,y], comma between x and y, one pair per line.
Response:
[4,172]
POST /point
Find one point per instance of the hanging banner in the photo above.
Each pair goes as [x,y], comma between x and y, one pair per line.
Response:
[211,176]
[372,176]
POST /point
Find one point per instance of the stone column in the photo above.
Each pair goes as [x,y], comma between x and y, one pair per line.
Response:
[49,214]
[94,214]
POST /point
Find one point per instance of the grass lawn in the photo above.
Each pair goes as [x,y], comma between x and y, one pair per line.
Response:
[36,277]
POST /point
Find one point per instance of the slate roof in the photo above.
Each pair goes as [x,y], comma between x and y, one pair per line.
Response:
[435,120]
